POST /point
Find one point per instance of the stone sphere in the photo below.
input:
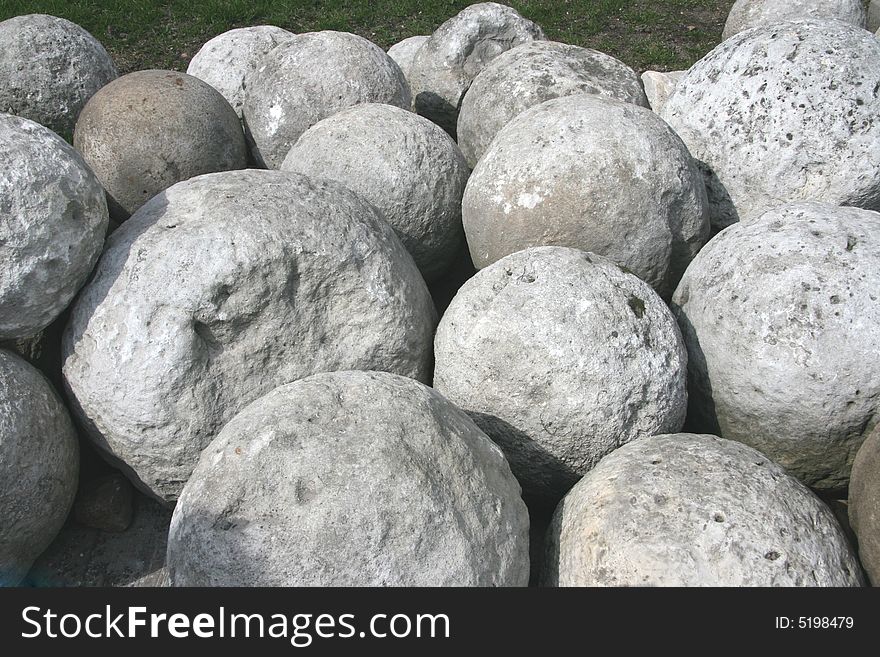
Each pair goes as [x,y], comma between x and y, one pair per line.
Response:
[694,510]
[404,51]
[310,77]
[560,357]
[225,61]
[54,216]
[782,114]
[446,64]
[49,68]
[747,14]
[151,129]
[659,87]
[780,319]
[593,173]
[39,466]
[400,162]
[221,289]
[350,479]
[530,74]
[864,504]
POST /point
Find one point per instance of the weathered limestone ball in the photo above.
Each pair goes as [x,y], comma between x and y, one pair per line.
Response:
[528,75]
[404,51]
[864,504]
[659,87]
[310,77]
[53,216]
[223,288]
[593,173]
[780,319]
[151,129]
[49,68]
[560,357]
[446,64]
[782,114]
[350,479]
[747,14]
[694,510]
[39,465]
[400,162]
[225,61]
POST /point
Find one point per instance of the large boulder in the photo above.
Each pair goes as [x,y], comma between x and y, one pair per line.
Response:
[405,51]
[864,504]
[873,21]
[659,87]
[746,14]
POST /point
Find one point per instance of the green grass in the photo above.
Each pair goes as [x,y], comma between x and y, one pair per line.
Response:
[658,34]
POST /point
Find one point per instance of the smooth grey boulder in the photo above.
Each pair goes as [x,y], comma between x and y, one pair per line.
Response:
[350,479]
[222,288]
[560,357]
[694,510]
[446,64]
[310,77]
[659,87]
[49,68]
[864,504]
[782,114]
[54,216]
[530,74]
[592,173]
[39,466]
[151,129]
[746,14]
[228,59]
[780,317]
[404,51]
[400,162]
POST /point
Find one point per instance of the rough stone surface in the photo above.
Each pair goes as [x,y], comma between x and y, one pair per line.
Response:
[49,68]
[350,479]
[530,74]
[404,51]
[779,316]
[560,357]
[150,129]
[873,20]
[400,162]
[864,504]
[105,503]
[219,290]
[53,221]
[593,173]
[310,77]
[694,510]
[747,14]
[782,114]
[228,59]
[39,462]
[659,87]
[446,64]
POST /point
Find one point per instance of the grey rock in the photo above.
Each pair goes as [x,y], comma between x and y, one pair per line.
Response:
[746,14]
[404,51]
[864,504]
[219,290]
[310,77]
[873,19]
[350,479]
[150,129]
[446,64]
[694,510]
[400,162]
[105,503]
[659,87]
[778,316]
[39,464]
[530,74]
[560,357]
[54,220]
[592,173]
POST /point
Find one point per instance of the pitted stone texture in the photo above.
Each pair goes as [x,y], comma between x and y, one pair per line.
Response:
[779,317]
[400,162]
[560,357]
[39,465]
[530,74]
[659,87]
[310,77]
[747,14]
[350,479]
[592,173]
[219,290]
[446,64]
[54,217]
[49,68]
[783,114]
[694,510]
[228,59]
[864,504]
[404,51]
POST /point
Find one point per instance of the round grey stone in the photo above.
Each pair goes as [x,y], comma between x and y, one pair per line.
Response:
[404,51]
[560,357]
[694,510]
[864,504]
[350,479]
[659,87]
[219,290]
[746,14]
[400,162]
